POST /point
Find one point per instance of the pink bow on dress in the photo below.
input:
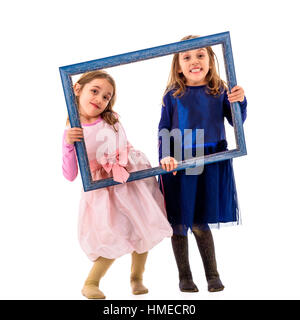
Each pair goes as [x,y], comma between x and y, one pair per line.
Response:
[114,163]
[119,173]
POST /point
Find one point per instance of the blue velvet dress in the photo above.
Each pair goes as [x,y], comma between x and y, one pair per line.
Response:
[208,199]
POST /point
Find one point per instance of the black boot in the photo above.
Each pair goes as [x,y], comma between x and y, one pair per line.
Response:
[206,247]
[180,249]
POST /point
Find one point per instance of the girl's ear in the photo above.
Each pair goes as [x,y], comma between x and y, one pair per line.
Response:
[77,88]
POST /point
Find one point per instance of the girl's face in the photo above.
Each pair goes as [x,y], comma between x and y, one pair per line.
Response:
[93,97]
[194,65]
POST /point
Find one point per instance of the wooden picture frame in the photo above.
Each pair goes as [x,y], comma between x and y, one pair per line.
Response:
[67,71]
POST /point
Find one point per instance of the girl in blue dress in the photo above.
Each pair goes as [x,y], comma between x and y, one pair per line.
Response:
[197,98]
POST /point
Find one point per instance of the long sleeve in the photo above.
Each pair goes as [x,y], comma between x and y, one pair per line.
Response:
[69,161]
[165,121]
[227,109]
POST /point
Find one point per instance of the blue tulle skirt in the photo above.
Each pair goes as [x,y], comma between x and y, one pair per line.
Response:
[202,201]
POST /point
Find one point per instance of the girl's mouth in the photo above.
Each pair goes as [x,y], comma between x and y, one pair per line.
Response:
[95,105]
[196,70]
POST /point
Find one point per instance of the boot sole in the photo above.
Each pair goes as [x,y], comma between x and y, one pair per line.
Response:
[140,292]
[187,290]
[93,297]
[216,289]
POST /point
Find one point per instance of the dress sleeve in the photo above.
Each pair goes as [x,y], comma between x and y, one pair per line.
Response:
[69,160]
[227,109]
[165,120]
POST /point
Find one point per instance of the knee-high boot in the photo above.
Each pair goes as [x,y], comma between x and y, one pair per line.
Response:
[206,247]
[137,270]
[180,249]
[91,285]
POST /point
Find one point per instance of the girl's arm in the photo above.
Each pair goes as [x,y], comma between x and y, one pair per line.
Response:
[165,120]
[69,163]
[227,109]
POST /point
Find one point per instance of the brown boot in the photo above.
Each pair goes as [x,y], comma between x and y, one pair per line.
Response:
[206,247]
[91,285]
[180,249]
[137,270]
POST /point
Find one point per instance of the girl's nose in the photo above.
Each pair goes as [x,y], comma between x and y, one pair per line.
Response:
[98,100]
[195,60]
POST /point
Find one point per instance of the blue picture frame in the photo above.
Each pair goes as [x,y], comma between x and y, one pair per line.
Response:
[67,71]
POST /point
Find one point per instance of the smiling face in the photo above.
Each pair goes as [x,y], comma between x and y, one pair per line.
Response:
[194,65]
[93,98]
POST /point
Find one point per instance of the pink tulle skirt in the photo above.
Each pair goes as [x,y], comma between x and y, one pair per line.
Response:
[120,219]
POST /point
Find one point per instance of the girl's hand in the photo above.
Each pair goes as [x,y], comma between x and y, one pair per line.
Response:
[168,164]
[237,94]
[74,134]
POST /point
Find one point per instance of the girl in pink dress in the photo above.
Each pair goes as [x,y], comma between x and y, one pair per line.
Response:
[125,218]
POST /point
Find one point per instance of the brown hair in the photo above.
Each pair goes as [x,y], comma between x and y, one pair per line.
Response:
[215,85]
[108,115]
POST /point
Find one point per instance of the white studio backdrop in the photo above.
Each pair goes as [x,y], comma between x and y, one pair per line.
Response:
[40,253]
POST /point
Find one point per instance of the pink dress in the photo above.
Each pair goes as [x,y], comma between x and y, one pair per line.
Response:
[118,219]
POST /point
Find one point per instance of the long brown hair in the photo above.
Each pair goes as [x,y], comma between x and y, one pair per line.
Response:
[108,115]
[215,85]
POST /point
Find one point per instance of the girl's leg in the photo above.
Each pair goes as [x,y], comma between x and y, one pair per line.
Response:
[206,247]
[137,270]
[91,285]
[180,249]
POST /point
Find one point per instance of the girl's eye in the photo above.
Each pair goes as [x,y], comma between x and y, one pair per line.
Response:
[186,58]
[94,91]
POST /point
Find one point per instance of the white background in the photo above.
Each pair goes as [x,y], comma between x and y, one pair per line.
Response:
[40,253]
